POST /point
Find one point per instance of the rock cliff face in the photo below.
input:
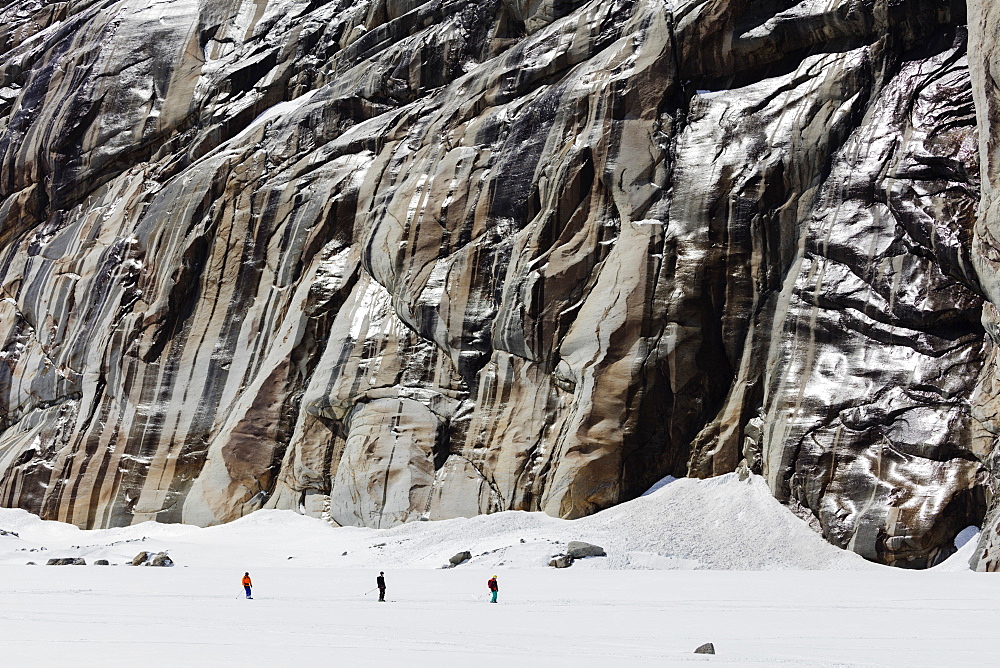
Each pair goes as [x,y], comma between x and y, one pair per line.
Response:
[388,260]
[984,64]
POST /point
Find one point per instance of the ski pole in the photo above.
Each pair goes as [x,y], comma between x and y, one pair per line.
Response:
[370,591]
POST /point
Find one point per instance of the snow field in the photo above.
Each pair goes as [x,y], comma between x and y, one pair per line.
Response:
[691,562]
[94,616]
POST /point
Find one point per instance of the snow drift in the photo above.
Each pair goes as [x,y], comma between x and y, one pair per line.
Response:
[721,523]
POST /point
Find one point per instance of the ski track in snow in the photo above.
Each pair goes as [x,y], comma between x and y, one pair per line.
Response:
[692,561]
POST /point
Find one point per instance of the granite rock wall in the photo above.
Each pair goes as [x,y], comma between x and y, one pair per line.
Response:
[391,260]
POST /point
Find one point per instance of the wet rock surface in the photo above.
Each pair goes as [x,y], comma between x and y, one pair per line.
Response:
[388,261]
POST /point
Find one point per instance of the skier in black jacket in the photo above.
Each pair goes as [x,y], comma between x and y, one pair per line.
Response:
[380,581]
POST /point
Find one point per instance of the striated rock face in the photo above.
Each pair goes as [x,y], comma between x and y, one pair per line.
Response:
[392,260]
[984,63]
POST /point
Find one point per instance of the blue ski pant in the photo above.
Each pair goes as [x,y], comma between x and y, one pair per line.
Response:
[247,587]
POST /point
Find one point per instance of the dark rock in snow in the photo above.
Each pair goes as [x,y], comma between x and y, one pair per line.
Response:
[160,559]
[561,561]
[102,562]
[67,561]
[460,557]
[580,550]
[140,558]
[707,648]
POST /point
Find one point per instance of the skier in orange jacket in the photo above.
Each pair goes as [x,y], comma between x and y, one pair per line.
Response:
[247,584]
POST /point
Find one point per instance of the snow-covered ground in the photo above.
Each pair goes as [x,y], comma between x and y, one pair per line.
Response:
[658,594]
[722,523]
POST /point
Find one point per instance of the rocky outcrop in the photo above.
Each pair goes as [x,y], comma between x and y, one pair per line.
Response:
[391,260]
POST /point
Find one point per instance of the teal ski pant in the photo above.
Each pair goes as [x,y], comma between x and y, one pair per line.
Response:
[493,597]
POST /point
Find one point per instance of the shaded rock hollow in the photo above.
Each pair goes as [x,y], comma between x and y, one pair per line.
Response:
[392,260]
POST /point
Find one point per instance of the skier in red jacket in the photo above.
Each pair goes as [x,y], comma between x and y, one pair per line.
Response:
[494,588]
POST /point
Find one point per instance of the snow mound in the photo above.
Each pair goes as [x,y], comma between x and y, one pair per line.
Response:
[966,543]
[722,523]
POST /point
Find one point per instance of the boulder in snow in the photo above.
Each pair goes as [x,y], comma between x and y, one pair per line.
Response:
[160,559]
[152,559]
[561,561]
[580,550]
[66,561]
[707,648]
[102,562]
[460,557]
